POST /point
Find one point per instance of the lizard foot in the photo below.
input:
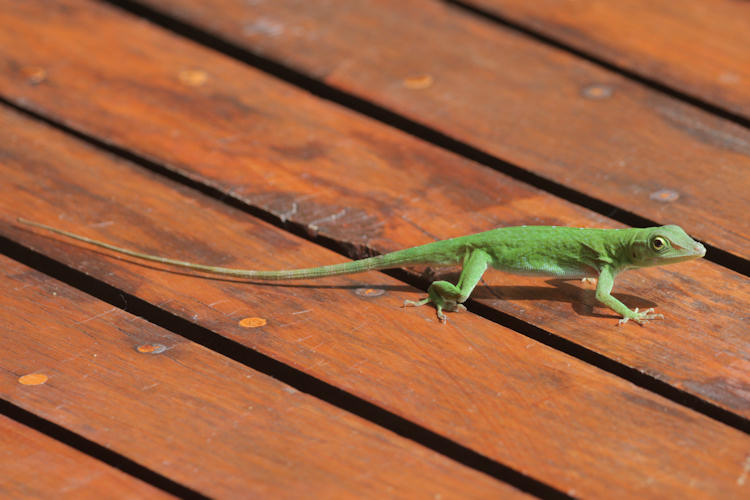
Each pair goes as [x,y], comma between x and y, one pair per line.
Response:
[440,306]
[641,317]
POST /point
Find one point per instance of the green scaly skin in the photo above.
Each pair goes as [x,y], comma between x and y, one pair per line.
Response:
[562,252]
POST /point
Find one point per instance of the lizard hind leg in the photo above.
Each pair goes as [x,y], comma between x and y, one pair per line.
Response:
[444,296]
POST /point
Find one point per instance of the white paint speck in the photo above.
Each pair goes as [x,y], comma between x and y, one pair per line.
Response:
[263,26]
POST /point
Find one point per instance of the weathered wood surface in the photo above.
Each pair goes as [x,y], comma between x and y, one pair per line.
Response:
[516,401]
[533,105]
[195,416]
[33,465]
[357,182]
[697,47]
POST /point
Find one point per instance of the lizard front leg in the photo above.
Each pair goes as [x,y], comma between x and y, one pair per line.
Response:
[603,294]
[446,296]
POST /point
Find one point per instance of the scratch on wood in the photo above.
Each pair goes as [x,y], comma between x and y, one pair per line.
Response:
[320,362]
[358,364]
[288,214]
[96,316]
[218,302]
[745,471]
[706,132]
[297,320]
[329,218]
[105,223]
[420,228]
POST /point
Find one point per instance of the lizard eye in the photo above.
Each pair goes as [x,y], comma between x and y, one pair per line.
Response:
[658,243]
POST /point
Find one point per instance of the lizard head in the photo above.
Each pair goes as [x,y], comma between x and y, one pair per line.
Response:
[657,246]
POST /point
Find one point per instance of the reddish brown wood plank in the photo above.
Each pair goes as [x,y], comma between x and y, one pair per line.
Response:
[33,465]
[522,101]
[695,46]
[363,184]
[489,388]
[195,416]
[375,188]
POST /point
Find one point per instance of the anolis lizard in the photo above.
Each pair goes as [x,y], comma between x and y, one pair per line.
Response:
[563,252]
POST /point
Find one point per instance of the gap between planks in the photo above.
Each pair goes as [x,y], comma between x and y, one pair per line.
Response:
[256,360]
[425,132]
[561,344]
[161,317]
[95,450]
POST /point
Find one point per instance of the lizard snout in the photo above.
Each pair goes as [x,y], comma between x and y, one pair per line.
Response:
[699,249]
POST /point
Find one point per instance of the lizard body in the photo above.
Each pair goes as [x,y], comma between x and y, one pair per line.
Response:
[551,251]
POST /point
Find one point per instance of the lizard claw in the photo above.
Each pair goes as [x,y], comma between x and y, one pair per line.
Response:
[442,317]
[641,317]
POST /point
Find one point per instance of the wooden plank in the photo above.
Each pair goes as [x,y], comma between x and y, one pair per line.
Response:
[524,102]
[489,388]
[195,416]
[359,183]
[694,46]
[33,465]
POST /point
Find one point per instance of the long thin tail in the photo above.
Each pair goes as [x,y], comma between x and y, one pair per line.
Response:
[357,266]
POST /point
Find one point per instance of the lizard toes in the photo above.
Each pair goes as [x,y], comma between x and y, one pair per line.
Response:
[416,303]
[443,319]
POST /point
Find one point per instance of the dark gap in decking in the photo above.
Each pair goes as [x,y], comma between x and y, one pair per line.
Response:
[252,359]
[561,344]
[642,79]
[613,367]
[425,132]
[350,402]
[96,450]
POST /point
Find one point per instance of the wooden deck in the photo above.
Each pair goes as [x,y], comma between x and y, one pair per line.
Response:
[285,134]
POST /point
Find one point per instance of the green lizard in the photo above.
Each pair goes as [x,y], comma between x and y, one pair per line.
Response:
[563,252]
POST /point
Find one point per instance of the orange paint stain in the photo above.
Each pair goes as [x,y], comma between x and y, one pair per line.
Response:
[193,77]
[252,322]
[151,348]
[418,82]
[33,379]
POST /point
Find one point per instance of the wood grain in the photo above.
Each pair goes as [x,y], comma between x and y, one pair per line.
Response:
[697,47]
[354,181]
[195,416]
[535,106]
[489,388]
[33,465]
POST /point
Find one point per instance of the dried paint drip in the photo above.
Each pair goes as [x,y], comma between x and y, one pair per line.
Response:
[34,74]
[252,322]
[193,77]
[33,379]
[664,195]
[369,292]
[597,91]
[418,82]
[151,348]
